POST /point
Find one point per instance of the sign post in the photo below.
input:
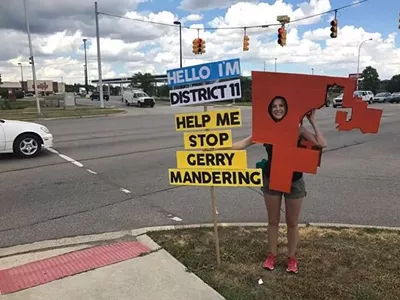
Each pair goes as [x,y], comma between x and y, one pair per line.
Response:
[208,167]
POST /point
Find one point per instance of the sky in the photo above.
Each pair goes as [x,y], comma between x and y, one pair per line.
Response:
[130,46]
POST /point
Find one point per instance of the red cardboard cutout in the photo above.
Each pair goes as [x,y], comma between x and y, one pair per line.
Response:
[302,94]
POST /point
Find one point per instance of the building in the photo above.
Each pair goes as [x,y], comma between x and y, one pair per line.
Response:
[44,87]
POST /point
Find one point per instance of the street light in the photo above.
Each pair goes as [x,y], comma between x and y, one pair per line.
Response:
[180,40]
[32,60]
[358,62]
[275,64]
[86,72]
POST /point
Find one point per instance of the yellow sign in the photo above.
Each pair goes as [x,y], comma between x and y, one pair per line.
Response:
[229,159]
[208,120]
[207,177]
[207,140]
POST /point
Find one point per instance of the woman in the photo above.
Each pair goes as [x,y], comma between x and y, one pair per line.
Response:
[293,200]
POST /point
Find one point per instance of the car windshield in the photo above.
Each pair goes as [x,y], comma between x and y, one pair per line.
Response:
[141,95]
[340,96]
[380,94]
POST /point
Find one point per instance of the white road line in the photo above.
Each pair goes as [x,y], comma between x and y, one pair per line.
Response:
[52,150]
[125,191]
[177,219]
[92,172]
[67,158]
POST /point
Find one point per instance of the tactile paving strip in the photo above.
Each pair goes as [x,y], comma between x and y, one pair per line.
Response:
[72,263]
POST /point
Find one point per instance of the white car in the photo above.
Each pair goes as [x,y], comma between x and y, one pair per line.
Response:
[137,97]
[25,139]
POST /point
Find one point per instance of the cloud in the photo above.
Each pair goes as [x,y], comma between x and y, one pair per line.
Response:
[130,46]
[193,18]
[198,5]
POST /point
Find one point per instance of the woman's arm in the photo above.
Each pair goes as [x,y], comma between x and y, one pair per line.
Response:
[243,143]
[318,138]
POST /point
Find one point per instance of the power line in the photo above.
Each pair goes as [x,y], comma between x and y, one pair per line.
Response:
[238,27]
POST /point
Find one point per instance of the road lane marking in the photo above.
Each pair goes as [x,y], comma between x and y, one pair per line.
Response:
[67,158]
[177,219]
[125,191]
[92,172]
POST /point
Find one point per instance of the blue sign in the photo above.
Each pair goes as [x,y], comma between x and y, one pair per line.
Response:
[223,69]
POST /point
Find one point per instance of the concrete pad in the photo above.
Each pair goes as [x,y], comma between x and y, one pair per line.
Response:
[155,276]
[148,242]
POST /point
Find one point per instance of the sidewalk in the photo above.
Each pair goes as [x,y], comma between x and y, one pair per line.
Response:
[123,265]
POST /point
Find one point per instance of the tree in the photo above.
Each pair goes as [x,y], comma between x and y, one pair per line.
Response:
[144,81]
[394,84]
[371,81]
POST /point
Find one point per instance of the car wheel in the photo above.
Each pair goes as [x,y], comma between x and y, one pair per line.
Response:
[27,145]
[126,103]
[334,106]
[327,103]
[152,105]
[139,104]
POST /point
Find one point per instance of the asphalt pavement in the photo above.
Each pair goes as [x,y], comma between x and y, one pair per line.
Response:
[111,173]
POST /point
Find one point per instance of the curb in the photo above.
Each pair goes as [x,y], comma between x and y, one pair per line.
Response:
[85,239]
[76,117]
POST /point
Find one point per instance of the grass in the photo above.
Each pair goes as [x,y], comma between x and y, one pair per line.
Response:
[26,111]
[333,263]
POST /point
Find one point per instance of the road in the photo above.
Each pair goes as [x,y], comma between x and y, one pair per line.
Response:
[117,178]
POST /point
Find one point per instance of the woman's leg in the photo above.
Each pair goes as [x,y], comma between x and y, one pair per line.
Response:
[273,203]
[293,207]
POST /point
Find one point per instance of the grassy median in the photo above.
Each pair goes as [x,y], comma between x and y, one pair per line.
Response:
[334,264]
[26,111]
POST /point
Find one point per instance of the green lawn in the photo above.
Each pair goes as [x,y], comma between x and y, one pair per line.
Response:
[334,264]
[26,111]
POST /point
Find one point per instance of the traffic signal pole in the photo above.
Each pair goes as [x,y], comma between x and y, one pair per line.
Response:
[32,61]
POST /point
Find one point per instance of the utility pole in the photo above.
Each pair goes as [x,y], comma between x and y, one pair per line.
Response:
[86,72]
[98,54]
[180,41]
[32,60]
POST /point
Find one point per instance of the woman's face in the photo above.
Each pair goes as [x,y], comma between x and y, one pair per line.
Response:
[278,109]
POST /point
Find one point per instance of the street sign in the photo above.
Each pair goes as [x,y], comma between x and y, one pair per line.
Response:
[355,75]
[204,72]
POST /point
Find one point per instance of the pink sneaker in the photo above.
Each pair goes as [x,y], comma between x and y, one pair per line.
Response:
[292,266]
[270,262]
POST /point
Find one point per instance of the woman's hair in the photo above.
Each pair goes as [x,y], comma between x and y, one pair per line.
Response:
[272,103]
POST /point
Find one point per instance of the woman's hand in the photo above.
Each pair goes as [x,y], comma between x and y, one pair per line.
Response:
[311,115]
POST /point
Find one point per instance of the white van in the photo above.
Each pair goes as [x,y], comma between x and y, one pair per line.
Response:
[366,96]
[137,97]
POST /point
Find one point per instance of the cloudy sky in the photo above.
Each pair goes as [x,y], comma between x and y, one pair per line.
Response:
[129,46]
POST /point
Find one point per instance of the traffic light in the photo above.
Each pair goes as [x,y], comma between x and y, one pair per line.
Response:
[399,20]
[282,36]
[246,43]
[199,45]
[1,82]
[203,46]
[31,62]
[195,46]
[334,24]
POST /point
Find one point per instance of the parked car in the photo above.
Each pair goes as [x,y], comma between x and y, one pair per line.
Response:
[96,96]
[25,139]
[381,97]
[366,96]
[137,97]
[337,101]
[395,97]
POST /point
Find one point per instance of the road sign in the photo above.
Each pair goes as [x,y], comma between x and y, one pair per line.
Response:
[224,69]
[355,75]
